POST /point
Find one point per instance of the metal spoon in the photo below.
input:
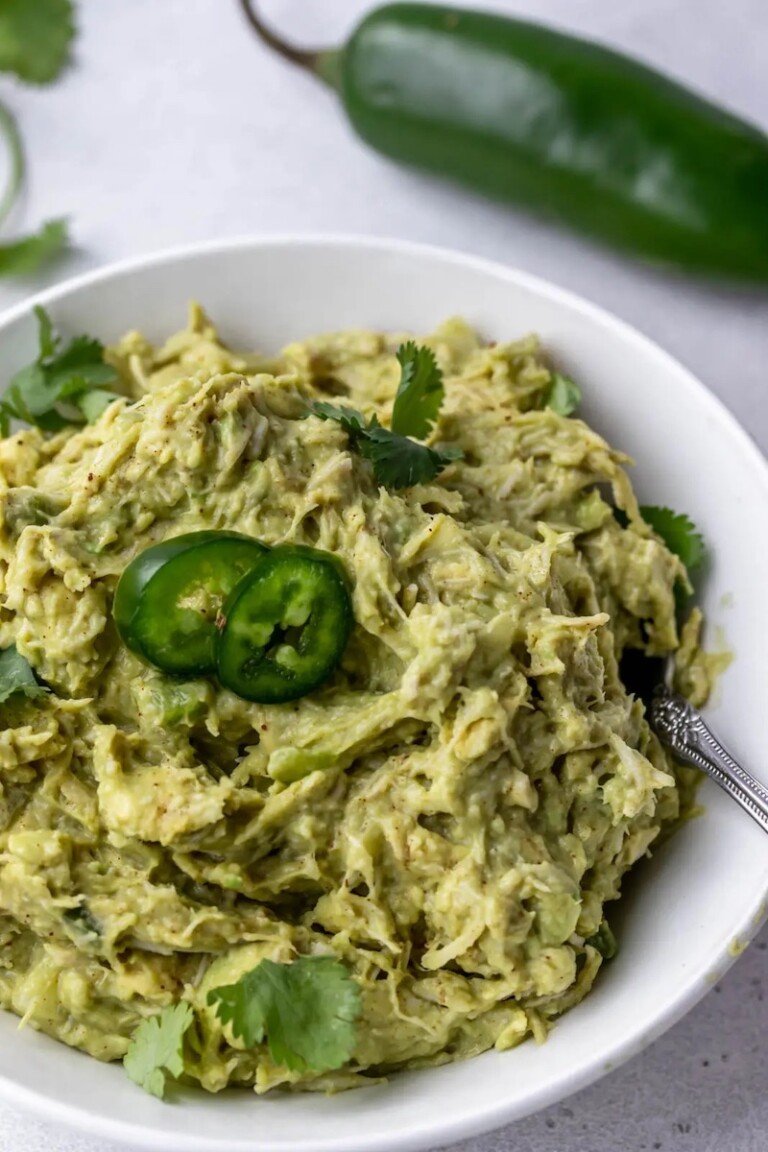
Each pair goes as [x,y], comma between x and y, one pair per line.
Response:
[682,729]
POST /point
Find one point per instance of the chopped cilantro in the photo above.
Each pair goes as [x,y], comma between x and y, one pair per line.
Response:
[563,395]
[156,1050]
[307,1010]
[81,921]
[16,676]
[604,942]
[678,532]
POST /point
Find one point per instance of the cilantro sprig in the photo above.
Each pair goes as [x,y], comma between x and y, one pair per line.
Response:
[563,395]
[156,1050]
[398,460]
[678,532]
[65,384]
[17,677]
[307,1011]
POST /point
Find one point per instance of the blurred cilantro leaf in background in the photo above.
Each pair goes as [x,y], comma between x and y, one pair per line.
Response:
[35,38]
[35,43]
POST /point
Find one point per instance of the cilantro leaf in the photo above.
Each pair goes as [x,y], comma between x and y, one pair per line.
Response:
[23,257]
[563,395]
[35,38]
[16,676]
[62,386]
[398,461]
[156,1050]
[678,532]
[93,403]
[420,392]
[306,1009]
[82,354]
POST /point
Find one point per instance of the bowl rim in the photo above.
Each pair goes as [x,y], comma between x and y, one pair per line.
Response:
[432,1133]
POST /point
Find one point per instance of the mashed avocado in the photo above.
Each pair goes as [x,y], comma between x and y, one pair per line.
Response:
[447,816]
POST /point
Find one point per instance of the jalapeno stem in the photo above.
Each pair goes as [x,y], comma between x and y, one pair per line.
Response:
[320,62]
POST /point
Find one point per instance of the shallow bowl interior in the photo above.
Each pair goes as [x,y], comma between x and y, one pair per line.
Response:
[695,902]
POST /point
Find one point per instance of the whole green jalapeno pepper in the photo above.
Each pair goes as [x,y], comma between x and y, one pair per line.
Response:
[559,125]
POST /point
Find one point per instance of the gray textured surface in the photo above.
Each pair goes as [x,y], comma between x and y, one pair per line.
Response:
[174,127]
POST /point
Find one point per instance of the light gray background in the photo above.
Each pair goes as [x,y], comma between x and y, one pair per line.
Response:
[175,126]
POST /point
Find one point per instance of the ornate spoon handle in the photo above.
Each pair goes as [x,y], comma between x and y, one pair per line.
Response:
[682,728]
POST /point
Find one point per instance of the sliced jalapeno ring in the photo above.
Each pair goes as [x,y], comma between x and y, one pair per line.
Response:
[169,597]
[285,626]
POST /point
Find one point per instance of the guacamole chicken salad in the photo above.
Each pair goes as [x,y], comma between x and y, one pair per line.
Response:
[316,758]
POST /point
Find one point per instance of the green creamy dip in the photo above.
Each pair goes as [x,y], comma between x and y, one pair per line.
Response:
[447,816]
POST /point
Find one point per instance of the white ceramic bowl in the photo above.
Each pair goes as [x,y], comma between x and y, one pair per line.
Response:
[691,909]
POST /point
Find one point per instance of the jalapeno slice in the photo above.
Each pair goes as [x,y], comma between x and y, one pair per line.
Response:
[169,597]
[285,626]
